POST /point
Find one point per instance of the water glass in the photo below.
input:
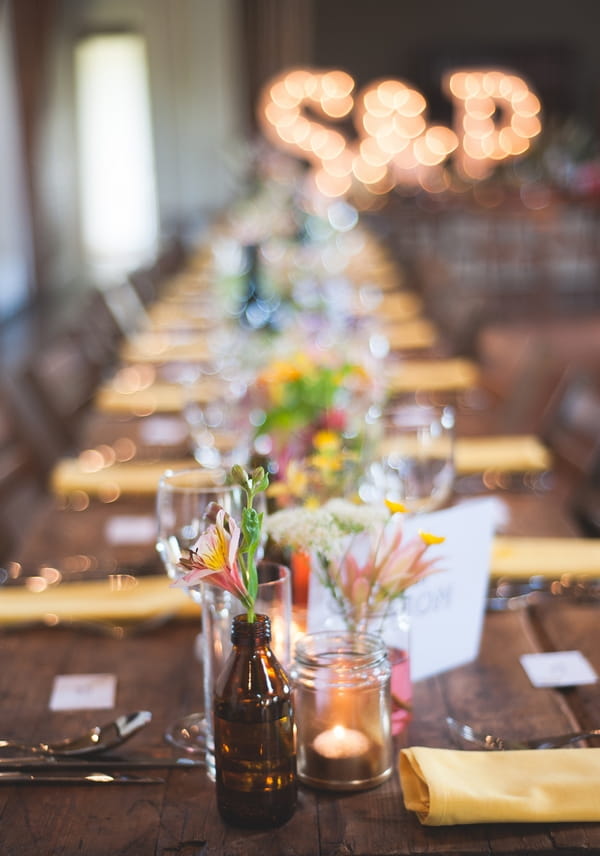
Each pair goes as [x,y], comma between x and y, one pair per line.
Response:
[219,608]
[417,466]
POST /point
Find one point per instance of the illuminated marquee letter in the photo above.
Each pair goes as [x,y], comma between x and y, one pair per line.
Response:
[495,117]
[390,120]
[286,109]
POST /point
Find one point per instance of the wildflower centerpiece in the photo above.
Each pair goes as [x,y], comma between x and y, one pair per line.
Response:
[253,722]
[313,410]
[362,565]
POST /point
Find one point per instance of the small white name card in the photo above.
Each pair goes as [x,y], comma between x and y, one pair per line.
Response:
[83,692]
[130,529]
[163,431]
[558,669]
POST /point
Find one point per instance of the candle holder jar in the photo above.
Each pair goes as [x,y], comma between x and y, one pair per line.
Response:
[343,711]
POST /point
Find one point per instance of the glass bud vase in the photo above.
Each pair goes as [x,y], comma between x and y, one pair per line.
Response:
[255,755]
[392,625]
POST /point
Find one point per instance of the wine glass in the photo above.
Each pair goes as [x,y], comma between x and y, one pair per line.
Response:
[416,467]
[183,502]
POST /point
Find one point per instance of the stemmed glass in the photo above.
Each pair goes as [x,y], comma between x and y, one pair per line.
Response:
[416,468]
[183,499]
[183,505]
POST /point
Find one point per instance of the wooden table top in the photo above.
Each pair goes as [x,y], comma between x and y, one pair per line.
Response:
[158,671]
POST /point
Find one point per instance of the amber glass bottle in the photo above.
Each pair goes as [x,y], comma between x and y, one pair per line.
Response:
[255,755]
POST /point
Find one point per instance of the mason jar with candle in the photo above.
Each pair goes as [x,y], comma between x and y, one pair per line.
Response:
[342,700]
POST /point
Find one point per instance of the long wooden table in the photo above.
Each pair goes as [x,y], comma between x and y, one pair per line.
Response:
[157,671]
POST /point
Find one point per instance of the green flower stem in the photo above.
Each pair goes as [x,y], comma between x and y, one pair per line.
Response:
[251,526]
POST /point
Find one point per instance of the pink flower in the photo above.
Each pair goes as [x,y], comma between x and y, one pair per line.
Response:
[379,566]
[213,559]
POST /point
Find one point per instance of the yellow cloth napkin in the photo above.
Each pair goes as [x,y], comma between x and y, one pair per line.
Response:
[516,454]
[408,335]
[157,398]
[549,557]
[432,375]
[139,598]
[510,453]
[157,347]
[445,786]
[393,306]
[111,482]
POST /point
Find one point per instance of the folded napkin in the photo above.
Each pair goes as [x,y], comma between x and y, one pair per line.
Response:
[157,398]
[432,375]
[445,786]
[510,453]
[548,557]
[139,478]
[409,335]
[140,598]
[393,306]
[157,347]
[507,454]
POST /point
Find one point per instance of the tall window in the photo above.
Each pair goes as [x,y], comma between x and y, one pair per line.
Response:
[118,205]
[15,235]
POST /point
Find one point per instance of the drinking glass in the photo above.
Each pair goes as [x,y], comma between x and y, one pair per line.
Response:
[417,465]
[219,607]
[183,499]
[216,410]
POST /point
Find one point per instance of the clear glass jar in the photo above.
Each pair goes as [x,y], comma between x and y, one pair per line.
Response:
[343,710]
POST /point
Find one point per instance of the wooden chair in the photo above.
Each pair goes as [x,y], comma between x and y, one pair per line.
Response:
[99,333]
[585,502]
[571,421]
[149,280]
[63,380]
[21,481]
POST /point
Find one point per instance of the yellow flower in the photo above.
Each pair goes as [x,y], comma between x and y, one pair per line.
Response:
[326,441]
[395,507]
[428,538]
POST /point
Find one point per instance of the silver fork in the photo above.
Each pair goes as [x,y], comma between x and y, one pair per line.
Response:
[489,741]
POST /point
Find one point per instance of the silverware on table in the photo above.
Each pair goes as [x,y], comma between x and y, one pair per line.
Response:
[514,594]
[489,741]
[97,778]
[97,739]
[50,763]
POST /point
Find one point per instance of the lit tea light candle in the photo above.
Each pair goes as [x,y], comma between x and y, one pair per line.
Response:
[341,758]
[341,742]
[341,688]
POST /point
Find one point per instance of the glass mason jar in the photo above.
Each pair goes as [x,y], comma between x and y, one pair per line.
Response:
[392,625]
[255,757]
[342,703]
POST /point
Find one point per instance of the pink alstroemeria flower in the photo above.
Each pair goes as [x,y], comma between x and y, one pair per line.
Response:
[379,565]
[213,559]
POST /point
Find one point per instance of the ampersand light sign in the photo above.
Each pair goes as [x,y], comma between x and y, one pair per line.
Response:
[495,117]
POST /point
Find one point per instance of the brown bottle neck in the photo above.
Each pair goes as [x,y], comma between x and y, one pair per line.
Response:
[244,632]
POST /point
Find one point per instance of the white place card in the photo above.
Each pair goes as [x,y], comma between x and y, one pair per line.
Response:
[83,692]
[130,529]
[163,431]
[447,608]
[558,669]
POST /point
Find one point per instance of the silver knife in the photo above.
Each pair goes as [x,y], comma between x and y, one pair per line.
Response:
[51,762]
[16,778]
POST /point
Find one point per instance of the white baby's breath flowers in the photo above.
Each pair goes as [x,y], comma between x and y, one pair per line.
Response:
[323,530]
